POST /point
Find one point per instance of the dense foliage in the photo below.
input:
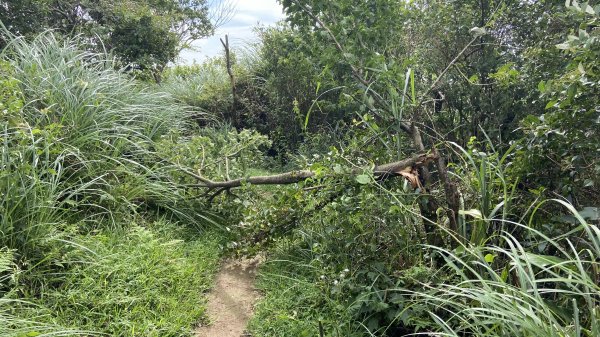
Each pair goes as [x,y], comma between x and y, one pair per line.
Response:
[501,90]
[108,185]
[87,211]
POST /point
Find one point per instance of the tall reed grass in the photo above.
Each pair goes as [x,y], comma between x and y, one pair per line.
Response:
[82,145]
[510,289]
[506,275]
[77,154]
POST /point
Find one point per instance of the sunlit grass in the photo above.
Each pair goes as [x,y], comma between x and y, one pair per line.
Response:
[78,169]
[508,289]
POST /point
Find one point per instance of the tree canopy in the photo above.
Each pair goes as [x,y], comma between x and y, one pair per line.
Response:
[144,33]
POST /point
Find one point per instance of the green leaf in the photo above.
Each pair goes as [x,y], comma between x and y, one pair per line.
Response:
[542,86]
[363,179]
[489,258]
[504,274]
[543,260]
[551,104]
[590,213]
[71,202]
[412,87]
[474,79]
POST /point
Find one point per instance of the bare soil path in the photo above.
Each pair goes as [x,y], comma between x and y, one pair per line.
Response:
[231,301]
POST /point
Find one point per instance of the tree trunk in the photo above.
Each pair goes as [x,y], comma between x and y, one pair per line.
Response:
[228,64]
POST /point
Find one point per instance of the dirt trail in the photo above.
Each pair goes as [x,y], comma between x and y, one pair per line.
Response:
[231,301]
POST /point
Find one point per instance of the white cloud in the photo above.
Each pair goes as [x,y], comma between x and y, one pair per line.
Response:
[248,14]
[266,9]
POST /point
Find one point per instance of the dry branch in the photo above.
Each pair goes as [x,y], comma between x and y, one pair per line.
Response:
[229,65]
[381,171]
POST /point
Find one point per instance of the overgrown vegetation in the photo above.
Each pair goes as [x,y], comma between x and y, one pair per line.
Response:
[143,281]
[117,196]
[81,185]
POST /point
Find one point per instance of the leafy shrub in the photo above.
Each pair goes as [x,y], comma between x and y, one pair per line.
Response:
[312,228]
[281,90]
[216,153]
[564,140]
[294,304]
[360,252]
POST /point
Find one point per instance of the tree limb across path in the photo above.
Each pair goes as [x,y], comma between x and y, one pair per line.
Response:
[380,171]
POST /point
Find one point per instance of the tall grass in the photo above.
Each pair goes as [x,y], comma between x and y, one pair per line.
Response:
[205,87]
[510,289]
[81,145]
[77,156]
[65,84]
[487,189]
[146,280]
[11,326]
[506,276]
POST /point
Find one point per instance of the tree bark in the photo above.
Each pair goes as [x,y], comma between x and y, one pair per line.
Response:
[229,66]
[451,191]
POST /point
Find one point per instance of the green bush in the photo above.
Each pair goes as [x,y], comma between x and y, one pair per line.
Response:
[294,303]
[564,139]
[357,265]
[336,248]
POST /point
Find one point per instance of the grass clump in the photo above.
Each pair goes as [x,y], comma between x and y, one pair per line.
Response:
[295,303]
[135,282]
[18,326]
[77,143]
[511,289]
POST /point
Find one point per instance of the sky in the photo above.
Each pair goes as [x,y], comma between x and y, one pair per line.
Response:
[248,14]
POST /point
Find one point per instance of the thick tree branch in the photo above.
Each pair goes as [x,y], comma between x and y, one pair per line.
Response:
[229,65]
[381,171]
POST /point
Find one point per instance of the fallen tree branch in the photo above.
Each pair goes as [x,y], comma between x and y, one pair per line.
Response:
[381,172]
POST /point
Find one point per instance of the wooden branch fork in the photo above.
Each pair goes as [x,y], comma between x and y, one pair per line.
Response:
[398,168]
